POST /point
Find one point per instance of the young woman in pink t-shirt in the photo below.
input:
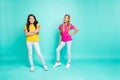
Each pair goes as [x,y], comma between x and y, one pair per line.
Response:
[65,37]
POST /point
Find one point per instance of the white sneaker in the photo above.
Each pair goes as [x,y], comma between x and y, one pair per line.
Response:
[56,64]
[67,65]
[32,68]
[45,68]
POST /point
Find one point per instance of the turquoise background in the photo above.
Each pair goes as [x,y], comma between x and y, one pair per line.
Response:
[95,48]
[98,22]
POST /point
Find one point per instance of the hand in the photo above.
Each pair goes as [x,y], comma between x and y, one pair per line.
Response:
[36,31]
[28,34]
[71,35]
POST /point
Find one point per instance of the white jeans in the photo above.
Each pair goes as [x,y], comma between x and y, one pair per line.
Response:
[61,45]
[37,48]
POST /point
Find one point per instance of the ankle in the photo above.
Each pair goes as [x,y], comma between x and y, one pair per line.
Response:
[57,61]
[44,65]
[31,65]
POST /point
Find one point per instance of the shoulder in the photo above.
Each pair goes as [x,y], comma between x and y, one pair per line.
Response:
[72,26]
[60,26]
[38,24]
[25,27]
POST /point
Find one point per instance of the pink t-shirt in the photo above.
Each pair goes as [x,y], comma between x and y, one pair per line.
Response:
[65,36]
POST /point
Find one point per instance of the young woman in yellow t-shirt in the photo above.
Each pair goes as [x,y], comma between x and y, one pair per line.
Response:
[31,30]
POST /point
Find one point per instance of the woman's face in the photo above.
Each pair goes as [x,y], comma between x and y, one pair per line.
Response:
[31,19]
[66,19]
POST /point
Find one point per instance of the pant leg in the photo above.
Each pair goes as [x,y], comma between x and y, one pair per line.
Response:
[29,46]
[37,48]
[60,46]
[69,43]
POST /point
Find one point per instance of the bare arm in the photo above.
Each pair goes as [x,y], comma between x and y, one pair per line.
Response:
[75,31]
[27,33]
[36,31]
[33,32]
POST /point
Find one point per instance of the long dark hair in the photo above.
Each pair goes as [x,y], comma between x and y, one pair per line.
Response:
[28,23]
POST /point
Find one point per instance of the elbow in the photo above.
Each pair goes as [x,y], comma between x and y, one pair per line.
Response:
[27,34]
[38,30]
[77,29]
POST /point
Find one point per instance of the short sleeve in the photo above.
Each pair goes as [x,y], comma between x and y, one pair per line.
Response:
[72,26]
[24,28]
[60,27]
[38,25]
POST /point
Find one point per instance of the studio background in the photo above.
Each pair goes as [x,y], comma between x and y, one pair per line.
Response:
[98,22]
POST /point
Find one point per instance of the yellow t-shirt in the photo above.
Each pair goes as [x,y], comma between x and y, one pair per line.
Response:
[32,38]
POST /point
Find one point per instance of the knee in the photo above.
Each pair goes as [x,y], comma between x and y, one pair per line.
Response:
[29,54]
[69,52]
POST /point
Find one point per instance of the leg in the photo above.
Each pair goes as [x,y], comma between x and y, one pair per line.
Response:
[29,46]
[37,48]
[61,45]
[69,43]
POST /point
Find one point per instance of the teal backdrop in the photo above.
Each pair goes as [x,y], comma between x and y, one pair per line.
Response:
[98,22]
